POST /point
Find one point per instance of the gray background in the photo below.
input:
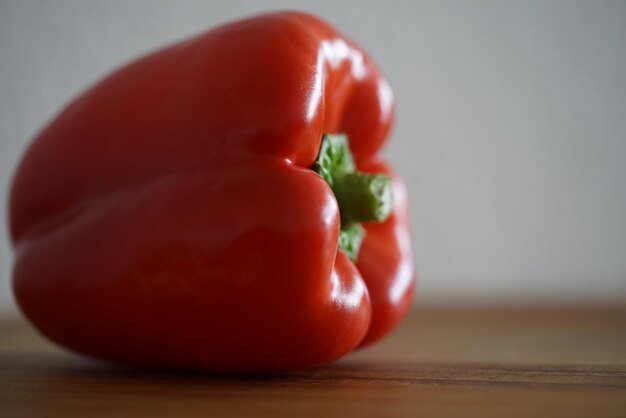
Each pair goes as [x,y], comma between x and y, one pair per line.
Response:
[510,127]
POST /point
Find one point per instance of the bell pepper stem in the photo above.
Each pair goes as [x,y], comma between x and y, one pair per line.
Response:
[362,197]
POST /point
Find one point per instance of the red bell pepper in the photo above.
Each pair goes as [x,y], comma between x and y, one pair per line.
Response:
[186,211]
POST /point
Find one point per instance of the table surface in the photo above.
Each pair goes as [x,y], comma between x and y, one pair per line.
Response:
[466,362]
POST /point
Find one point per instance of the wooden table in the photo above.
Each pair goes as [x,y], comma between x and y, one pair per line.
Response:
[568,362]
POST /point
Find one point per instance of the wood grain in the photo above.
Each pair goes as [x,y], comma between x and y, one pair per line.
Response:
[468,362]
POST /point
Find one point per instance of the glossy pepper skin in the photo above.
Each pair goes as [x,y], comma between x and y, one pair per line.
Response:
[169,215]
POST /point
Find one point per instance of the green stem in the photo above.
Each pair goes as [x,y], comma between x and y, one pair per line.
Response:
[362,197]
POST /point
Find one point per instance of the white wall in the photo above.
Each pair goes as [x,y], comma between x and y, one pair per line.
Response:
[511,128]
